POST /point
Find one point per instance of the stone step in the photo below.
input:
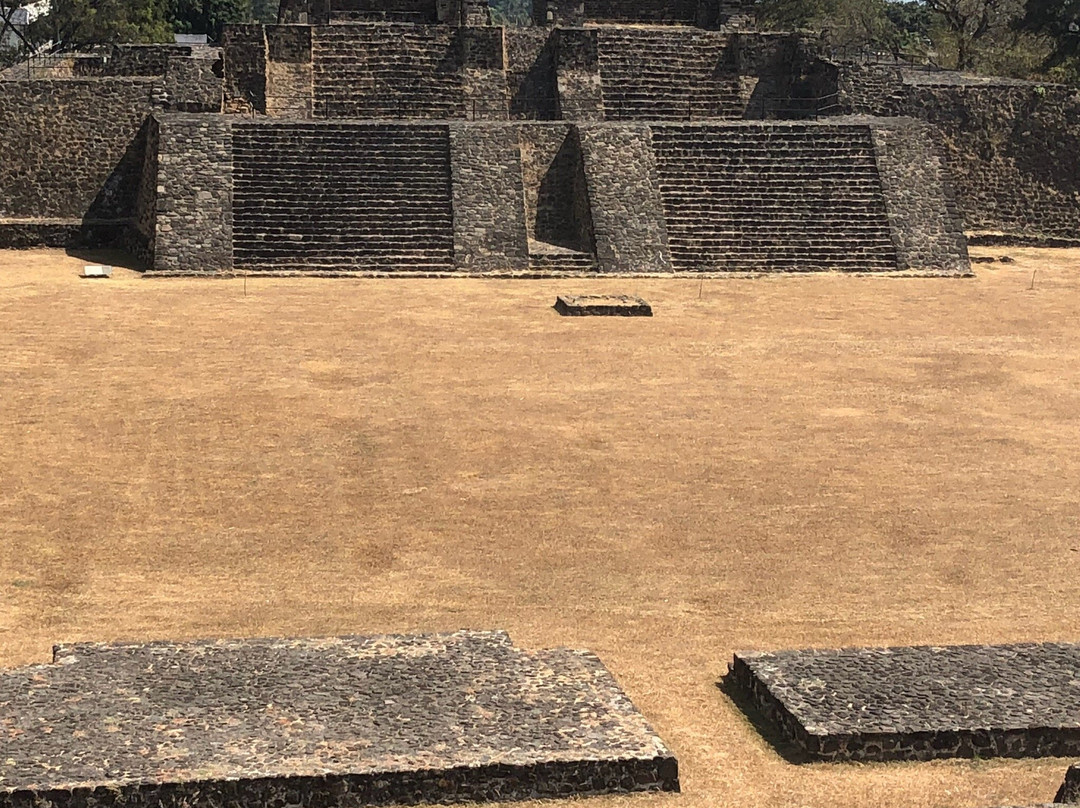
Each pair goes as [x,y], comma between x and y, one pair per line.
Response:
[323,721]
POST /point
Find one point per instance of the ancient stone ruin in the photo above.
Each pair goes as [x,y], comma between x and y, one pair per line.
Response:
[316,723]
[613,136]
[918,703]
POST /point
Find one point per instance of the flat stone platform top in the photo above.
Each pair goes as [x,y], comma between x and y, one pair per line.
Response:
[348,720]
[920,702]
[602,305]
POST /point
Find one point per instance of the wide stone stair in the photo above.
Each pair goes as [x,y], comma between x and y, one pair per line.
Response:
[772,197]
[667,74]
[342,196]
[633,11]
[387,71]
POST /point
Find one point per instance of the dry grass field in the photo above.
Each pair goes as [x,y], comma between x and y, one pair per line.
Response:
[769,463]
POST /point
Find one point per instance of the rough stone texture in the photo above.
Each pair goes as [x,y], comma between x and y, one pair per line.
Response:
[602,306]
[388,71]
[193,83]
[194,193]
[926,226]
[773,197]
[557,211]
[289,75]
[624,192]
[483,57]
[1009,145]
[577,70]
[139,237]
[73,139]
[489,220]
[1070,789]
[73,157]
[530,73]
[245,68]
[317,723]
[310,195]
[919,703]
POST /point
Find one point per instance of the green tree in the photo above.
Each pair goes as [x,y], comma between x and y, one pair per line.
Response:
[970,22]
[80,24]
[1059,21]
[842,23]
[208,16]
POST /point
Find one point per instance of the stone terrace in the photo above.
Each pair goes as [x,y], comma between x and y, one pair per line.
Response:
[320,722]
[919,703]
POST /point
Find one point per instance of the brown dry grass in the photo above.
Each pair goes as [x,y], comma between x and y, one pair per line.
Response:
[784,462]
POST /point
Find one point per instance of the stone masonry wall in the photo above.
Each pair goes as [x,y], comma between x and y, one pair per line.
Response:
[194,193]
[1010,146]
[628,216]
[70,146]
[530,73]
[245,68]
[926,225]
[139,235]
[489,218]
[289,83]
[193,84]
[577,66]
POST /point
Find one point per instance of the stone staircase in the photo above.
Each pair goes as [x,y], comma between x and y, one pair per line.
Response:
[772,197]
[634,11]
[387,71]
[546,257]
[667,74]
[334,196]
[410,11]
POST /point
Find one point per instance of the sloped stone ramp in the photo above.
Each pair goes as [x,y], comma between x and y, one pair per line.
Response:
[313,723]
[918,703]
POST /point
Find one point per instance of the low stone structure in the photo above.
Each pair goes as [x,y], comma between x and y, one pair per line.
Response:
[614,136]
[433,198]
[319,723]
[918,703]
[602,306]
[1070,789]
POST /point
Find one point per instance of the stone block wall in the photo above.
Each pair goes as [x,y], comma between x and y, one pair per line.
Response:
[193,84]
[72,149]
[245,68]
[530,74]
[489,219]
[1010,146]
[927,229]
[296,196]
[557,209]
[289,78]
[577,68]
[624,194]
[139,236]
[194,193]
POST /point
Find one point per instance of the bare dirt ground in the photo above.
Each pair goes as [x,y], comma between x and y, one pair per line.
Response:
[769,463]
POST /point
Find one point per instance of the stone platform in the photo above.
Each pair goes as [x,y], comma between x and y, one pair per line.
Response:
[918,703]
[314,723]
[602,306]
[1070,789]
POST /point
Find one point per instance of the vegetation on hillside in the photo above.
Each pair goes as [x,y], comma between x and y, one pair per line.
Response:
[1022,38]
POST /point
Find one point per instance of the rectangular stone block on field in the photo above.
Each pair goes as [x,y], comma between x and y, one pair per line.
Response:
[919,703]
[602,305]
[1070,789]
[315,723]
